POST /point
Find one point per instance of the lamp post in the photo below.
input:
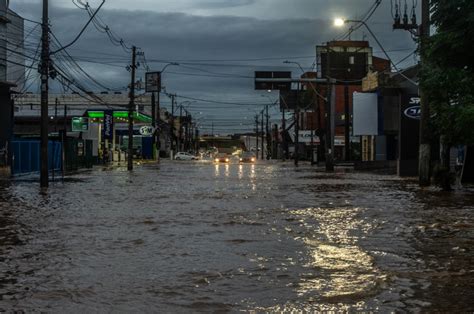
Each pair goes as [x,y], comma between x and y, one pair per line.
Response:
[317,94]
[267,127]
[424,150]
[180,133]
[296,115]
[341,22]
[155,110]
[330,112]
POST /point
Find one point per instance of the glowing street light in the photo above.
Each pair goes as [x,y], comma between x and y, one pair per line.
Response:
[339,22]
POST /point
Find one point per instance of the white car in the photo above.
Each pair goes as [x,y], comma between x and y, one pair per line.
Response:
[184,156]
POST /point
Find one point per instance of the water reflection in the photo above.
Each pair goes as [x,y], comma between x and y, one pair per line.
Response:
[227,170]
[339,266]
[210,241]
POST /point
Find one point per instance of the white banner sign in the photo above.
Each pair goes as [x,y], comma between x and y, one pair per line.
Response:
[365,116]
[305,137]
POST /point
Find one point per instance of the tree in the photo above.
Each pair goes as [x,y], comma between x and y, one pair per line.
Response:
[448,72]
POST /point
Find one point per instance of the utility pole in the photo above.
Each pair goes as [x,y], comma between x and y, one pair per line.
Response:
[64,139]
[180,132]
[56,103]
[297,126]
[347,123]
[256,134]
[425,132]
[269,144]
[188,129]
[283,137]
[157,121]
[153,124]
[172,127]
[329,108]
[263,136]
[131,108]
[424,152]
[44,178]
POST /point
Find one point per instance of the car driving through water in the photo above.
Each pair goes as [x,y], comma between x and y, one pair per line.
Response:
[185,156]
[222,158]
[247,157]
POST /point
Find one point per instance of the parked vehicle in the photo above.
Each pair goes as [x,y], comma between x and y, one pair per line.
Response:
[222,158]
[184,156]
[247,157]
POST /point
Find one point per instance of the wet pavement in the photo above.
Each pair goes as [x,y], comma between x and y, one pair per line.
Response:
[198,237]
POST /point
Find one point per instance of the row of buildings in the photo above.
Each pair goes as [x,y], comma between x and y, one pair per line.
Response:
[374,111]
[80,119]
[12,73]
[89,127]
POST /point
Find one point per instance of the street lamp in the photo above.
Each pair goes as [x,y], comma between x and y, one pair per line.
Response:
[180,133]
[339,22]
[155,110]
[294,62]
[317,94]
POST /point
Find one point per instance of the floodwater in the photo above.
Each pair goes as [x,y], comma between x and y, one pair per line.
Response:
[198,237]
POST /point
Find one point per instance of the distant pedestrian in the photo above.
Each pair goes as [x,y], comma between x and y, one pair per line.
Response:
[105,157]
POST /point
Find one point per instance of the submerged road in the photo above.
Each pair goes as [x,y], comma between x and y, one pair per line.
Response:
[198,237]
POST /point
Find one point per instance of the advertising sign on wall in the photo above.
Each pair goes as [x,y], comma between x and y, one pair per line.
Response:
[80,124]
[305,137]
[414,111]
[108,132]
[365,117]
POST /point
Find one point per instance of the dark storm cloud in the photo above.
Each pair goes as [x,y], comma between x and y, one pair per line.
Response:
[202,39]
[219,4]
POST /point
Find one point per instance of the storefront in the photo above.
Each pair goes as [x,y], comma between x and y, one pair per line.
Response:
[108,130]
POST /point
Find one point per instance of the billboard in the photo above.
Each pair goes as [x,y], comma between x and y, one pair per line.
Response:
[152,82]
[365,114]
[272,80]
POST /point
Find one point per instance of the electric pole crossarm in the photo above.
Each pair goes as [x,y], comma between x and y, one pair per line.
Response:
[81,32]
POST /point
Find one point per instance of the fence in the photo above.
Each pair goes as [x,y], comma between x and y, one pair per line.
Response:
[26,156]
[78,154]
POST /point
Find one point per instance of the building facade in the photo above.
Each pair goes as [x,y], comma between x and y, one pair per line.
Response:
[341,67]
[12,73]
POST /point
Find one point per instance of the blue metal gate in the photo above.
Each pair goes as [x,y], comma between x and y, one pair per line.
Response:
[26,156]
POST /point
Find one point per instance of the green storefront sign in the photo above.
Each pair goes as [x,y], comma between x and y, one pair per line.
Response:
[80,124]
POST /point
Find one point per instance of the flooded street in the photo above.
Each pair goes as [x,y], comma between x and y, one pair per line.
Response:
[199,237]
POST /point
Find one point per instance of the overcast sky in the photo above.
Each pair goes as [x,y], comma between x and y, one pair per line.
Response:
[216,42]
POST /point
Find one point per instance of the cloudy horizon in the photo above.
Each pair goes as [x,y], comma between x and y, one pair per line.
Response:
[219,44]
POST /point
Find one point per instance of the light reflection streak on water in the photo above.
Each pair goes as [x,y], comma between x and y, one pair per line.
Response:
[253,177]
[358,249]
[339,266]
[227,170]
